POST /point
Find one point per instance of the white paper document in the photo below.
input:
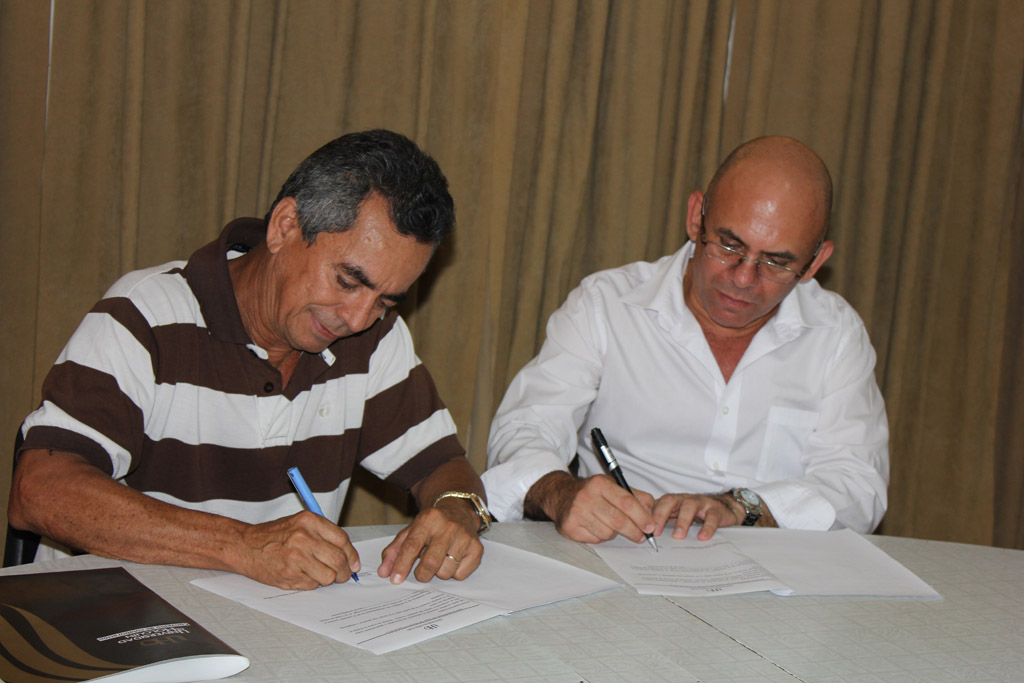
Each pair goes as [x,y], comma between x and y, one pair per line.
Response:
[687,568]
[380,617]
[840,562]
[742,560]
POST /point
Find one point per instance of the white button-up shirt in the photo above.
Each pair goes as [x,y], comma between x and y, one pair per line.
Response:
[801,421]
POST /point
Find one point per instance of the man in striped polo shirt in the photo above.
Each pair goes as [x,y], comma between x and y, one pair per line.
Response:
[170,419]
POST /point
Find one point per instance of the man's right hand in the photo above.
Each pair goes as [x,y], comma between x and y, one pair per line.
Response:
[590,510]
[299,552]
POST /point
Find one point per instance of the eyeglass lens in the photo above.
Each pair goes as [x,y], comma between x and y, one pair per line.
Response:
[730,257]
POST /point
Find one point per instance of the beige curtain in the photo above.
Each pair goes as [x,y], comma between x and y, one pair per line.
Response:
[571,133]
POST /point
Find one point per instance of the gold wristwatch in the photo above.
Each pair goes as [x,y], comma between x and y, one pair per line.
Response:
[478,505]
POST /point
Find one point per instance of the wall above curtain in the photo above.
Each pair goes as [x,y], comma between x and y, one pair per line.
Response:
[572,134]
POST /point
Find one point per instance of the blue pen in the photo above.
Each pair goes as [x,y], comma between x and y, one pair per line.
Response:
[307,497]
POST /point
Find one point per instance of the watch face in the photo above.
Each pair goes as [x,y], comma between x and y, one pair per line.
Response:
[750,496]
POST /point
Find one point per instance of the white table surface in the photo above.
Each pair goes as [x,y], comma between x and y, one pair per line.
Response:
[975,633]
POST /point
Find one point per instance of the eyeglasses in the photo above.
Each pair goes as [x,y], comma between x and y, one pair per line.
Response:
[732,257]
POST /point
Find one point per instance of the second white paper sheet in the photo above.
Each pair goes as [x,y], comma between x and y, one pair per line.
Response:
[743,560]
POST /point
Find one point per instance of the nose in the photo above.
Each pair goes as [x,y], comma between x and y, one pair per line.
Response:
[744,273]
[360,312]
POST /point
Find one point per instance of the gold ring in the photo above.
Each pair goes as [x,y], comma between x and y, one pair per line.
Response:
[455,560]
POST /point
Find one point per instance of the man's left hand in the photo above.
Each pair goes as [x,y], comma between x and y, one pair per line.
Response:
[686,508]
[443,538]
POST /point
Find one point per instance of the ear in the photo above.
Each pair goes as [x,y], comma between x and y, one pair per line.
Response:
[283,225]
[693,215]
[826,250]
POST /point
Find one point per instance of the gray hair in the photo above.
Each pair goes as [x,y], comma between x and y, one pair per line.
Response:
[331,183]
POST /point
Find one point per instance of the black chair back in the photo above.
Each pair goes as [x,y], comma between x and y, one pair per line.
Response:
[20,546]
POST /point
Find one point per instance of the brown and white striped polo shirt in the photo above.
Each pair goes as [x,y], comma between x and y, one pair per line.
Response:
[161,387]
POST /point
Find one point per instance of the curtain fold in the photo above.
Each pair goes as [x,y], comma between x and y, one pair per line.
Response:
[572,134]
[1009,428]
[23,79]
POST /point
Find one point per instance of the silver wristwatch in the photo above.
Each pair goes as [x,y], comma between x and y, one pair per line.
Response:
[751,502]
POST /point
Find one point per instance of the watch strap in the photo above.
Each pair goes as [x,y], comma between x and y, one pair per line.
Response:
[479,506]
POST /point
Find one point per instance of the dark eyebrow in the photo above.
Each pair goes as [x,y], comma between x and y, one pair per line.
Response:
[775,255]
[360,276]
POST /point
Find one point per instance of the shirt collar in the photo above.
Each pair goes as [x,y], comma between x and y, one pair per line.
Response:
[662,293]
[800,309]
[207,274]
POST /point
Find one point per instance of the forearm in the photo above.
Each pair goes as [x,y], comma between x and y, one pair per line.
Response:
[455,475]
[548,498]
[61,496]
[513,471]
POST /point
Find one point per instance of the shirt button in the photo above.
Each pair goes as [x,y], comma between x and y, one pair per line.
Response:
[725,410]
[716,467]
[268,387]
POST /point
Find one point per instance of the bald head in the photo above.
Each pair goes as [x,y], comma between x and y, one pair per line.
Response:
[785,163]
[769,203]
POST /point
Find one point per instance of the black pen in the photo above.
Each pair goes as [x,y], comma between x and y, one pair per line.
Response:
[615,470]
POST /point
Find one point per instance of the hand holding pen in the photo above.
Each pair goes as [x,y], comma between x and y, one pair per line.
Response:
[615,471]
[307,498]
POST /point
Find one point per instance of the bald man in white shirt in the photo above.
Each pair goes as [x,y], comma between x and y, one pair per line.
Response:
[731,387]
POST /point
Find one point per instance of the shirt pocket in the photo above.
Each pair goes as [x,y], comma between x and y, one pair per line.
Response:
[785,442]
